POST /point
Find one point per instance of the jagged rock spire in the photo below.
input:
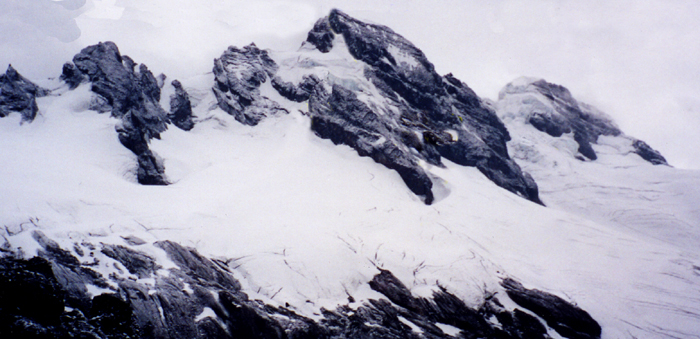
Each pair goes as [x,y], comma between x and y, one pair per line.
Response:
[17,94]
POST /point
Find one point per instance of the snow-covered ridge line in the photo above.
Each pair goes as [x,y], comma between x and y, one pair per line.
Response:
[552,109]
[400,114]
[164,290]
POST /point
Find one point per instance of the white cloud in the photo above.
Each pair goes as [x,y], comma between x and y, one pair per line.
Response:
[181,38]
[34,35]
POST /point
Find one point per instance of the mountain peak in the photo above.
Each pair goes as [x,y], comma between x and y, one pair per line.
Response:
[17,94]
[344,189]
[551,109]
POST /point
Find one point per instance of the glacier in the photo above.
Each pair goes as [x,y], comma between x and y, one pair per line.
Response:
[269,214]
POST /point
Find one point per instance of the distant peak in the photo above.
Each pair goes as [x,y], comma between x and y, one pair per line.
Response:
[533,85]
[552,109]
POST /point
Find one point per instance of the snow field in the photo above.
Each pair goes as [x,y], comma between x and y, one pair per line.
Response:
[307,222]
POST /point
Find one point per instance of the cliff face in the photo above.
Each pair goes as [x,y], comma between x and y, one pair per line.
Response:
[408,113]
[197,297]
[377,93]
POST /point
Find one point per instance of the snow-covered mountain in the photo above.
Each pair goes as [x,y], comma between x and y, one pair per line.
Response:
[342,190]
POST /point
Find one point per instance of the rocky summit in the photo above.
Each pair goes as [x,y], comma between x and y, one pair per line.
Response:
[132,95]
[17,94]
[551,109]
[396,110]
[413,115]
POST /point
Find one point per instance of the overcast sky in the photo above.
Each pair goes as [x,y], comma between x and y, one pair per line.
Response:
[639,61]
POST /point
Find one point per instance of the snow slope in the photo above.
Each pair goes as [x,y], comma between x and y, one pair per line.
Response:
[307,222]
[623,192]
[619,188]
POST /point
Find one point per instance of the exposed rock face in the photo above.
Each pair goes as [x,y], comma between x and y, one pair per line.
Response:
[416,116]
[239,74]
[561,113]
[181,108]
[647,153]
[552,109]
[569,320]
[17,94]
[33,305]
[446,308]
[200,298]
[299,93]
[342,118]
[133,96]
[72,75]
[321,35]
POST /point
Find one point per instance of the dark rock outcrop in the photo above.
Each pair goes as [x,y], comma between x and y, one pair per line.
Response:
[181,108]
[69,272]
[299,93]
[204,271]
[33,305]
[443,308]
[342,118]
[239,74]
[17,94]
[72,76]
[566,115]
[567,319]
[424,117]
[647,153]
[446,308]
[414,116]
[582,118]
[35,302]
[200,298]
[29,289]
[135,262]
[321,35]
[112,316]
[552,109]
[133,96]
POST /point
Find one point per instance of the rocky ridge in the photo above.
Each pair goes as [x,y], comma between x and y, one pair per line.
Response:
[416,115]
[129,94]
[53,295]
[400,112]
[551,109]
[17,94]
[239,74]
